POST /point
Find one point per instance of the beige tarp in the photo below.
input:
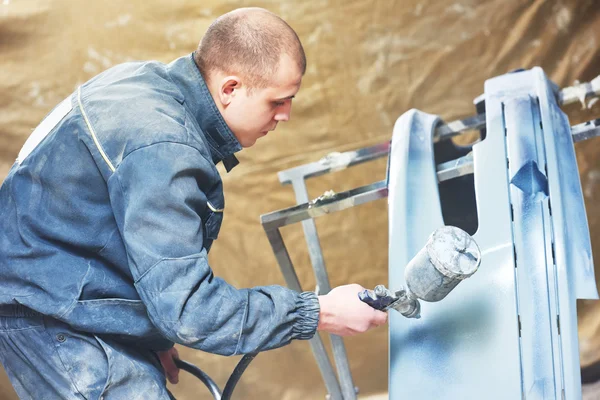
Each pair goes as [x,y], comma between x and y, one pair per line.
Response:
[369,61]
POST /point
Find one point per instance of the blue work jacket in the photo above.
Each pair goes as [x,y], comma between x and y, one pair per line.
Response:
[107,216]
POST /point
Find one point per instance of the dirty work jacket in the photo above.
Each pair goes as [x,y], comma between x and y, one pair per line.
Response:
[108,213]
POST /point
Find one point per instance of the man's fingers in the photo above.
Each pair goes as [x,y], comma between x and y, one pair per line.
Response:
[171,370]
[175,371]
[380,318]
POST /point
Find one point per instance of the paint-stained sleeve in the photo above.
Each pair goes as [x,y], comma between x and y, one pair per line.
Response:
[158,197]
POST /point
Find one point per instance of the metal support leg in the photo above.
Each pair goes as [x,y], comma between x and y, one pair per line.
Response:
[316,344]
[318,263]
[312,240]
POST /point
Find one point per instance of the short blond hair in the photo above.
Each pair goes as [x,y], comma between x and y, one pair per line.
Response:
[248,42]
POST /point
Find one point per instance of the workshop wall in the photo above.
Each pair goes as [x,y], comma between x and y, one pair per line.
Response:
[368,62]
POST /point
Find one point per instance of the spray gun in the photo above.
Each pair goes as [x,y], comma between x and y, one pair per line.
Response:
[450,256]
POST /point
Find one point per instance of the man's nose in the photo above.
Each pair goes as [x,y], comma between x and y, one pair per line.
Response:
[284,112]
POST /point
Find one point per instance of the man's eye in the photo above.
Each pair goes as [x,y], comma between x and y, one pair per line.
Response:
[278,103]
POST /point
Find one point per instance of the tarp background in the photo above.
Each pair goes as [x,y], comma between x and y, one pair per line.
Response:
[368,62]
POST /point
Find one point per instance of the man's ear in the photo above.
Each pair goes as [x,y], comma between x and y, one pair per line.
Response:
[228,88]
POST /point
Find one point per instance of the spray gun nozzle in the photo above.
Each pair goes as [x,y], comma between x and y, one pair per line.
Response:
[450,256]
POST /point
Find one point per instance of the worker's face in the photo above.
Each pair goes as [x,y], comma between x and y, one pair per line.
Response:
[252,114]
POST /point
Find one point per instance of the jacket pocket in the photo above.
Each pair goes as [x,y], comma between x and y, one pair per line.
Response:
[112,316]
[78,357]
[132,373]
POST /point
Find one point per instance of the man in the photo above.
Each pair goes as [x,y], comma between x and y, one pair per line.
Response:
[108,214]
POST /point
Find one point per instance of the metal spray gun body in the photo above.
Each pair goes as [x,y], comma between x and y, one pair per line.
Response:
[450,256]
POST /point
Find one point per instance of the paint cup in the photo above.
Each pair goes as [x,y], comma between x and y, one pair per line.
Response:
[450,256]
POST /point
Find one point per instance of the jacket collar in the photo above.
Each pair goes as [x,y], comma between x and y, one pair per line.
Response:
[223,144]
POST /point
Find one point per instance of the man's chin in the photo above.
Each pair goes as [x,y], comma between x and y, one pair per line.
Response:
[248,143]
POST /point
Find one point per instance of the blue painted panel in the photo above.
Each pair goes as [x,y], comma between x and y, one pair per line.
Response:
[511,329]
[467,345]
[536,275]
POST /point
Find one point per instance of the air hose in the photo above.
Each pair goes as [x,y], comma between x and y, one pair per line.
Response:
[210,384]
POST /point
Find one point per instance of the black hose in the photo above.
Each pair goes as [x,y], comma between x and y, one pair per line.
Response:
[198,373]
[236,375]
[210,384]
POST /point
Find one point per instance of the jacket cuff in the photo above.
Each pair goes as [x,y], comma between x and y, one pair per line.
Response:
[308,316]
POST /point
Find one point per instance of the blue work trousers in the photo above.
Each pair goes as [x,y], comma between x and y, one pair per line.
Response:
[46,359]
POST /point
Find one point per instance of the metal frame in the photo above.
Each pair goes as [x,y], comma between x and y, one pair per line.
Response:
[344,387]
[341,387]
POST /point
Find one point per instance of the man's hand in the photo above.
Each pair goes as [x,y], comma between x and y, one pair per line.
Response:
[166,359]
[342,312]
